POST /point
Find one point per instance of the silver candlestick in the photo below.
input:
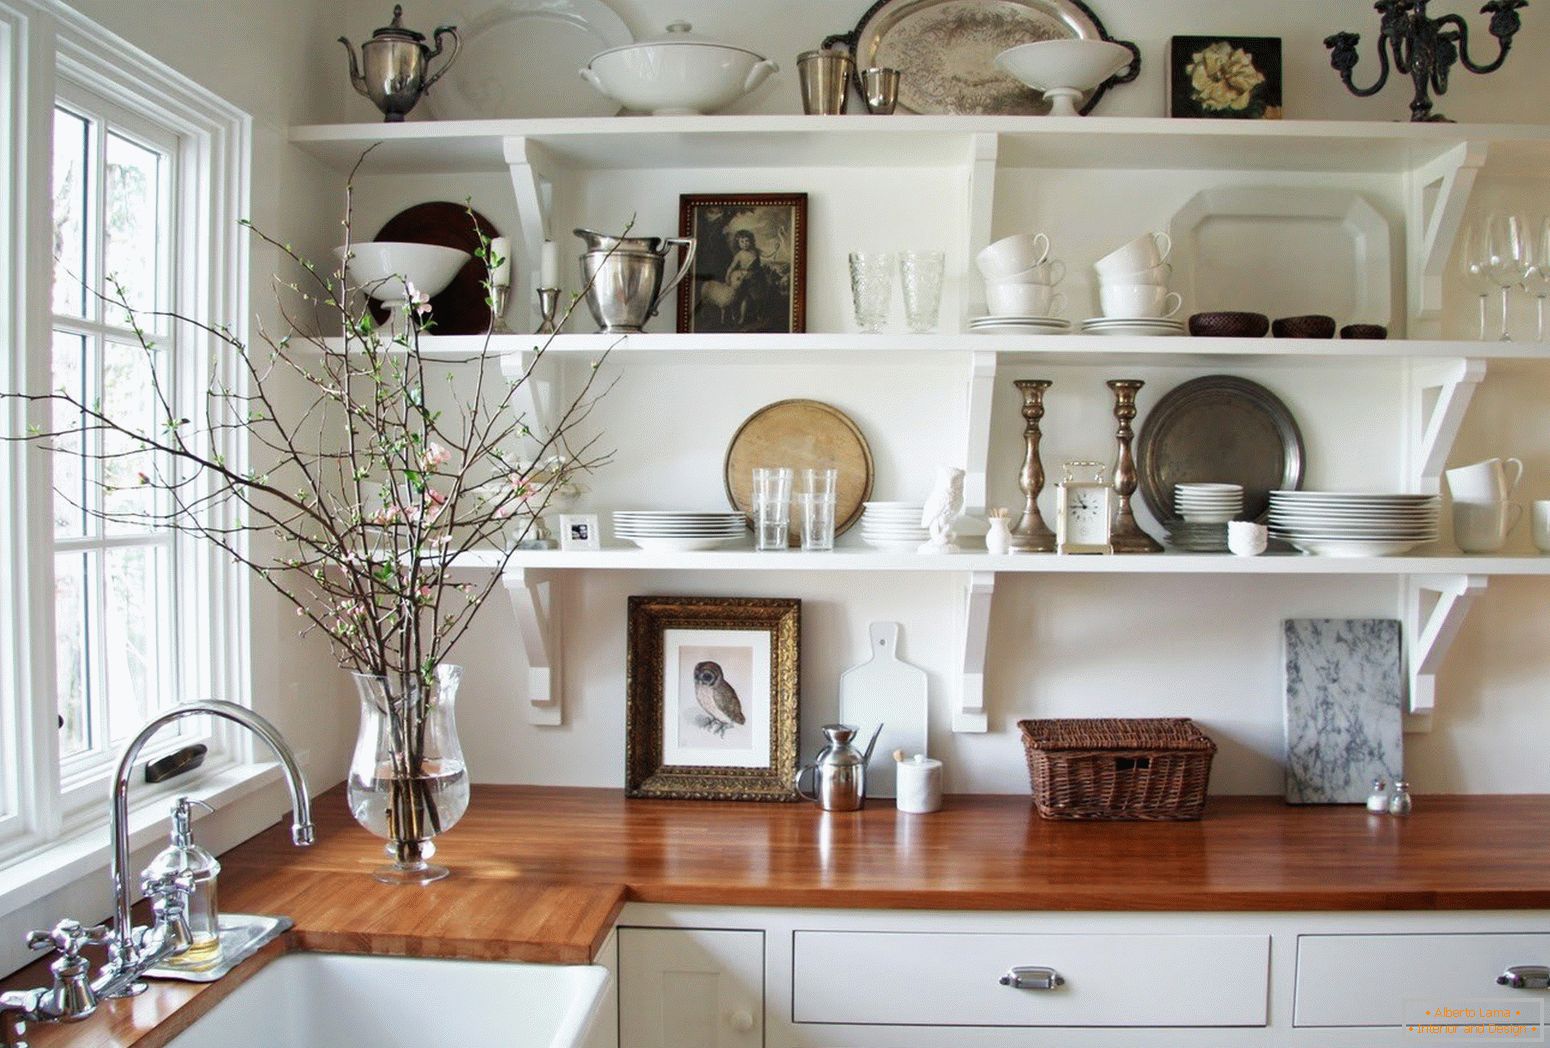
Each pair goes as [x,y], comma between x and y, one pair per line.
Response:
[548,303]
[500,298]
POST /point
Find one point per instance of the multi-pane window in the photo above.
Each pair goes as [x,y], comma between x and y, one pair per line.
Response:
[114,225]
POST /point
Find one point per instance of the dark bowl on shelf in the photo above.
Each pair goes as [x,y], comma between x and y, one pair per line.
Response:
[1314,325]
[1364,331]
[1229,325]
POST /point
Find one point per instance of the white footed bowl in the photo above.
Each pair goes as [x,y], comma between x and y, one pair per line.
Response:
[381,267]
[1063,68]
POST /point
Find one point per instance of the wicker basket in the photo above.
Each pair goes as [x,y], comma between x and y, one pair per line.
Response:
[1116,768]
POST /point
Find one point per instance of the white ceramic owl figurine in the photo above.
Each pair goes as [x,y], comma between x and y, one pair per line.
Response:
[943,507]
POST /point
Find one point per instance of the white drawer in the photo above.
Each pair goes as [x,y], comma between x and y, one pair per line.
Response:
[1365,980]
[932,979]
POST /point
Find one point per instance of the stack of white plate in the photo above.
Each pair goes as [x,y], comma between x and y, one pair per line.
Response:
[1132,326]
[1344,524]
[673,531]
[1208,503]
[893,526]
[1017,325]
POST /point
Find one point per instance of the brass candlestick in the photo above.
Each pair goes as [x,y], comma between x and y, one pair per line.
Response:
[1032,535]
[1127,536]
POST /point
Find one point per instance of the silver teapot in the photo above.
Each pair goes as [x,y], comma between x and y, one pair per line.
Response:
[395,60]
[623,277]
[839,770]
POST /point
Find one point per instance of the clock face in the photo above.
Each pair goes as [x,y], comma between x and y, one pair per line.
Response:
[1087,516]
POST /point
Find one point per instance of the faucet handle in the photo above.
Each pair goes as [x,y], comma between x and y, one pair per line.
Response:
[68,938]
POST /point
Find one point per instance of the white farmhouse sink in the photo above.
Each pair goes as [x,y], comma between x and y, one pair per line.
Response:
[319,1000]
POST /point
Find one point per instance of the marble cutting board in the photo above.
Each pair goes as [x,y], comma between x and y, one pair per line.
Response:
[1342,694]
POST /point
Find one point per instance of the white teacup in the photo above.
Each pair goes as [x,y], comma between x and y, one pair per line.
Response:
[1246,538]
[1540,519]
[1051,271]
[1144,252]
[1139,300]
[1023,300]
[1484,481]
[1158,274]
[1013,254]
[1482,527]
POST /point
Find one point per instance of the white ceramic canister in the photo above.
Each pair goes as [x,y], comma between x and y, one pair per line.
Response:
[919,785]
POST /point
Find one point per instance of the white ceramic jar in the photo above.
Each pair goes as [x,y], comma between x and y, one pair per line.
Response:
[918,785]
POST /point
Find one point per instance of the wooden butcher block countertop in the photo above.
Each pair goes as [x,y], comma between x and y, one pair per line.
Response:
[540,873]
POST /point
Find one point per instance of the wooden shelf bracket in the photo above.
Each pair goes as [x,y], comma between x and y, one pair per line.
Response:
[1435,606]
[534,599]
[1439,395]
[969,715]
[1435,196]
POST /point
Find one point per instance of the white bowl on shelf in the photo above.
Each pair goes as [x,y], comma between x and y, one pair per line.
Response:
[677,74]
[1064,70]
[381,268]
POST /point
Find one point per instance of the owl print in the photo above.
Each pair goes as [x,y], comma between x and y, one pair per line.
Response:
[717,698]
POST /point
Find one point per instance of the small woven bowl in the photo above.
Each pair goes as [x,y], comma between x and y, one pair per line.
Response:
[1314,325]
[1364,331]
[1229,325]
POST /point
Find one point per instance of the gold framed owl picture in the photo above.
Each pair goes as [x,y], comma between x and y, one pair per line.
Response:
[711,703]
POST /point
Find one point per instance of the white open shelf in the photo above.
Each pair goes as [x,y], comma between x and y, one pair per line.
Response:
[915,141]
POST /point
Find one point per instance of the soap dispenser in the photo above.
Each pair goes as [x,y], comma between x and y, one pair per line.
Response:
[183,856]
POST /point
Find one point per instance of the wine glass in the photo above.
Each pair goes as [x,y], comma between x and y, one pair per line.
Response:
[1536,278]
[1507,257]
[1472,267]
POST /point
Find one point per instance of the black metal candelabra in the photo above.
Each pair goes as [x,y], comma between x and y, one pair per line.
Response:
[1424,49]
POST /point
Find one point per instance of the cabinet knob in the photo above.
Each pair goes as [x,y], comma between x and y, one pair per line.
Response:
[1025,977]
[741,1021]
[1525,977]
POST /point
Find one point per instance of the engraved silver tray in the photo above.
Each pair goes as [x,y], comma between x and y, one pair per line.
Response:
[242,935]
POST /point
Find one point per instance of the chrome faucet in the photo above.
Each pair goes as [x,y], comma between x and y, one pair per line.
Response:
[132,951]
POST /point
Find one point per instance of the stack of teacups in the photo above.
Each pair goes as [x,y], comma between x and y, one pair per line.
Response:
[1133,288]
[1204,511]
[1020,279]
[1482,514]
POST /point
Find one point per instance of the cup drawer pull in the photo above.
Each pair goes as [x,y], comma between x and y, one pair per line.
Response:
[1525,977]
[1030,978]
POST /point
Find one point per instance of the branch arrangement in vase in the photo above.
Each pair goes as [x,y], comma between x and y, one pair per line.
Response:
[361,496]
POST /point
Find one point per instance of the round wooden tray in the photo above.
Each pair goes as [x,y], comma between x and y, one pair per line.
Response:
[461,309]
[801,434]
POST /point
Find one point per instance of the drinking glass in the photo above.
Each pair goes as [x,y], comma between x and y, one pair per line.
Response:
[920,277]
[817,520]
[1472,267]
[1536,277]
[1507,255]
[771,507]
[871,288]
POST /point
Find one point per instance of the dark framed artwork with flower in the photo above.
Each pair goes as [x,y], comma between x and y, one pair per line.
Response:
[1225,77]
[750,263]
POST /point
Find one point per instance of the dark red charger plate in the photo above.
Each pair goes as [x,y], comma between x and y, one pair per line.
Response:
[462,308]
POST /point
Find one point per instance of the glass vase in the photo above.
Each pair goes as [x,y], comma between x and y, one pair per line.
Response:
[408,782]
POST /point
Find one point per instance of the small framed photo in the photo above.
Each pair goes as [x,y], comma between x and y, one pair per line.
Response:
[580,531]
[750,263]
[1225,77]
[711,709]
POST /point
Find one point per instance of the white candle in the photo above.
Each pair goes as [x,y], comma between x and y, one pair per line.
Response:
[549,265]
[500,275]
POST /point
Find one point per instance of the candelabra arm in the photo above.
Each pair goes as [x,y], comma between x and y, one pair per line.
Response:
[1343,57]
[1504,25]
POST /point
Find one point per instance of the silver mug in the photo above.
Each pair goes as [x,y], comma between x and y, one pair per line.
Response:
[624,287]
[825,78]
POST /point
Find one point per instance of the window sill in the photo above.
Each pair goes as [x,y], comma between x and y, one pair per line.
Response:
[85,851]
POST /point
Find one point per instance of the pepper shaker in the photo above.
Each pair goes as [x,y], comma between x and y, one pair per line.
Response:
[1400,803]
[1378,800]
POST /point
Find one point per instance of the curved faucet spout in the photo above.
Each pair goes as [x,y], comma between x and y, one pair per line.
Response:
[301,817]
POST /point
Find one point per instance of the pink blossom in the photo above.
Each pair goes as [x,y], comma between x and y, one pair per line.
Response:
[434,455]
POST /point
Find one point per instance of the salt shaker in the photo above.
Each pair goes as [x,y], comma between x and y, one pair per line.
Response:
[1400,803]
[1378,800]
[918,785]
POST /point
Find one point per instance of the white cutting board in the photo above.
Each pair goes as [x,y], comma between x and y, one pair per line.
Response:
[887,690]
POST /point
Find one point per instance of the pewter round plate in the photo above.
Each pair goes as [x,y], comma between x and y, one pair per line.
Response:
[946,50]
[1219,428]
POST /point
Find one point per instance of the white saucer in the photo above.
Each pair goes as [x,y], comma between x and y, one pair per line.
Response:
[1107,326]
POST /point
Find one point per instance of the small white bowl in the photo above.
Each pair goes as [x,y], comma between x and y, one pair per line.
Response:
[677,74]
[380,267]
[1246,538]
[1064,70]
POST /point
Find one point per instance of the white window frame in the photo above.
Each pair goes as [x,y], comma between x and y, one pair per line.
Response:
[44,46]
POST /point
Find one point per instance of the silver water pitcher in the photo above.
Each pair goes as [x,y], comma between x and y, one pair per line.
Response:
[623,278]
[839,770]
[393,66]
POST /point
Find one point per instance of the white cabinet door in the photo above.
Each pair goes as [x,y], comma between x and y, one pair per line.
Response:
[690,988]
